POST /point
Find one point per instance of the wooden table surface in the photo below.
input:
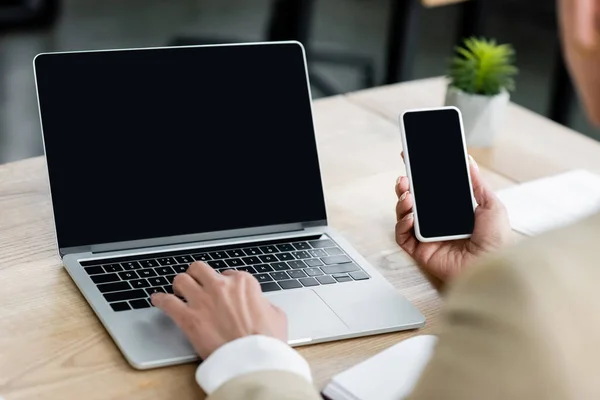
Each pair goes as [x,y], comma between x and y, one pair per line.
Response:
[53,347]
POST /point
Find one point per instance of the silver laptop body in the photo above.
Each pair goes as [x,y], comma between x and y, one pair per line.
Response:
[330,291]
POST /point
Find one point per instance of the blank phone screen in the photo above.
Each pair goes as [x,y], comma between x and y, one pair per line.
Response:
[439,173]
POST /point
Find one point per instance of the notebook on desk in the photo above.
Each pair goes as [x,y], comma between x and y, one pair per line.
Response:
[389,375]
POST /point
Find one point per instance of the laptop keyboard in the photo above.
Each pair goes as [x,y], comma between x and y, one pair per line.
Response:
[127,282]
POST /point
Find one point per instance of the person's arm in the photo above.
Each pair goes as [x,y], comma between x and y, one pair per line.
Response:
[239,334]
[256,364]
[496,331]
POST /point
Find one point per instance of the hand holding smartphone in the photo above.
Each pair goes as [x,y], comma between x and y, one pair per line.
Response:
[436,161]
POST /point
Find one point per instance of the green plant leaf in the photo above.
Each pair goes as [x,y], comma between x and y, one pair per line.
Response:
[483,67]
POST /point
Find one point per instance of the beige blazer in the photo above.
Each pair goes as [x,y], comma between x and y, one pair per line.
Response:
[524,325]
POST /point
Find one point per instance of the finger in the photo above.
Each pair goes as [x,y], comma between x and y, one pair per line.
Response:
[187,287]
[404,205]
[402,185]
[202,273]
[402,155]
[230,272]
[404,234]
[172,306]
[484,196]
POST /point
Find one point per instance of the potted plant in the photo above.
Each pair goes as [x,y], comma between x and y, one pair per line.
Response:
[481,75]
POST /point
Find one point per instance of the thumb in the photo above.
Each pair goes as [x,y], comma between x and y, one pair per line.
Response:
[483,194]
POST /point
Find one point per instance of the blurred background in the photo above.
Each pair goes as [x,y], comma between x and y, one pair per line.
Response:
[352,44]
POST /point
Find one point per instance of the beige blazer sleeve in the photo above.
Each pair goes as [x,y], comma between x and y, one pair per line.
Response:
[269,385]
[523,326]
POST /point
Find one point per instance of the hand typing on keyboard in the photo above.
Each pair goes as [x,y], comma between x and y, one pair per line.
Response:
[220,308]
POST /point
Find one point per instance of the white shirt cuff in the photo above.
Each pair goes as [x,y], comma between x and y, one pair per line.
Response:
[249,354]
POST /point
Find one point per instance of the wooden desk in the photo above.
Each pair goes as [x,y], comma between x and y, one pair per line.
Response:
[51,344]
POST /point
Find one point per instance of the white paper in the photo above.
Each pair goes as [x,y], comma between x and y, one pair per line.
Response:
[389,375]
[548,203]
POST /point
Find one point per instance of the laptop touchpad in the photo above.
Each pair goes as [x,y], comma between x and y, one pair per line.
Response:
[308,315]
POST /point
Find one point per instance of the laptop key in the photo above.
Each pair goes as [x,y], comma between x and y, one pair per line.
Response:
[268,249]
[247,269]
[217,264]
[113,287]
[122,306]
[285,247]
[166,261]
[94,270]
[291,284]
[251,260]
[235,253]
[149,263]
[342,278]
[153,290]
[263,268]
[263,277]
[334,251]
[301,254]
[106,278]
[318,253]
[280,266]
[301,246]
[202,257]
[297,273]
[325,279]
[313,271]
[113,268]
[158,281]
[318,244]
[128,266]
[168,289]
[234,262]
[170,278]
[269,287]
[184,259]
[252,251]
[146,273]
[128,275]
[141,303]
[279,276]
[164,270]
[139,283]
[268,258]
[359,275]
[335,260]
[297,264]
[181,268]
[313,262]
[340,269]
[218,255]
[309,282]
[127,295]
[284,256]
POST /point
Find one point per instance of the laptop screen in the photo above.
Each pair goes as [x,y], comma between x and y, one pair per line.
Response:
[163,142]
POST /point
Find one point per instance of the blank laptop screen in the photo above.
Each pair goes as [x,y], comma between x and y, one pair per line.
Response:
[163,142]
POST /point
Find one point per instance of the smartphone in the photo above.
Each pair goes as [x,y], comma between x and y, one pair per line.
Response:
[436,161]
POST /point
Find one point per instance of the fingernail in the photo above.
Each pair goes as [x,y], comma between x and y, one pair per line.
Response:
[398,180]
[403,196]
[408,217]
[473,162]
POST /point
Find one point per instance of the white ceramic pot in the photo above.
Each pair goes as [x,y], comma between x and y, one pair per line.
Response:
[483,116]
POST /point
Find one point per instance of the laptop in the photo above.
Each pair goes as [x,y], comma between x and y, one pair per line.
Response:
[160,157]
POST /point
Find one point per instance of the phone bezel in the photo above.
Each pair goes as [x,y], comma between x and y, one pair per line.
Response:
[420,237]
